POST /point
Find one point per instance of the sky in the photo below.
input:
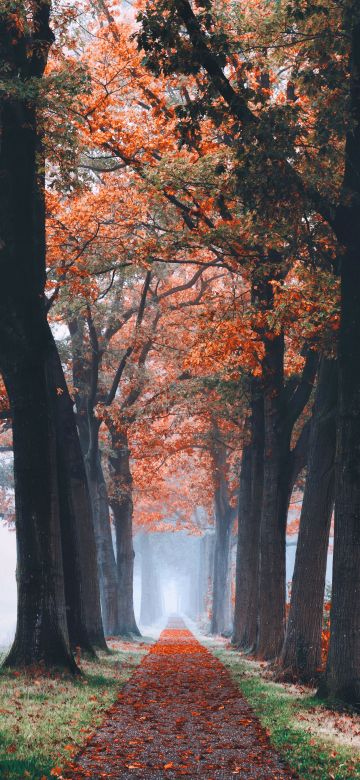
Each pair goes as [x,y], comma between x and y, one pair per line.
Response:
[7,584]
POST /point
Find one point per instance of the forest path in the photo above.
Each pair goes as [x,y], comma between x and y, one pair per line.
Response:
[180,715]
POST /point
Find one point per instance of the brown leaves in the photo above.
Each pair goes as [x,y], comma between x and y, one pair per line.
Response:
[180,715]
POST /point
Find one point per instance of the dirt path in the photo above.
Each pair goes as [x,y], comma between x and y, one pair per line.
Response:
[180,715]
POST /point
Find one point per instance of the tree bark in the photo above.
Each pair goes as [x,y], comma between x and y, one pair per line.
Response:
[106,559]
[342,678]
[301,654]
[106,562]
[250,504]
[271,628]
[122,507]
[41,633]
[88,426]
[205,573]
[78,540]
[221,615]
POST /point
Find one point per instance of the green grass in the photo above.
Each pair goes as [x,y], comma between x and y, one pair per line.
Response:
[44,719]
[280,709]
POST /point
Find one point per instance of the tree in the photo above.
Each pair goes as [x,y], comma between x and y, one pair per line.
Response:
[332,205]
[52,500]
[221,617]
[250,505]
[343,668]
[301,654]
[26,344]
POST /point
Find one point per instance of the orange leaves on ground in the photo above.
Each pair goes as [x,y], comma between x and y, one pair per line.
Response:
[185,717]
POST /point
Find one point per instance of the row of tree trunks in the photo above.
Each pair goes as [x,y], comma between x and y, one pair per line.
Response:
[115,571]
[301,654]
[88,426]
[79,548]
[269,469]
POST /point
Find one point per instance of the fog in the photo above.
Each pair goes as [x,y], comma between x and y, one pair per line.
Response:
[174,588]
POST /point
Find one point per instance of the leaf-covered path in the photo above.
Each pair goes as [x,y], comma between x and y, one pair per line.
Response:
[180,715]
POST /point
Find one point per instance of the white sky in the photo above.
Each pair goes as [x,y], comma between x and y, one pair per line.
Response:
[7,584]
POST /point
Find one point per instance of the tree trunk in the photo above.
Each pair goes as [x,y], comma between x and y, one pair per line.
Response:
[342,678]
[250,504]
[272,586]
[150,605]
[221,616]
[204,571]
[122,507]
[301,655]
[79,550]
[88,426]
[41,633]
[107,560]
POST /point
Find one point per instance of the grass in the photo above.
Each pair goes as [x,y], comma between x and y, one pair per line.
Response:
[284,712]
[44,719]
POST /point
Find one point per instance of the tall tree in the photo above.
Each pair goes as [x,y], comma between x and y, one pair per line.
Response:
[221,618]
[301,654]
[343,667]
[26,344]
[250,506]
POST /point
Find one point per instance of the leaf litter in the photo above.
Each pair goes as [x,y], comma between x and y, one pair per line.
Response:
[180,715]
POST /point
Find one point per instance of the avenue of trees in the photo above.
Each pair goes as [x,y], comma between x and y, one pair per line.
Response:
[180,319]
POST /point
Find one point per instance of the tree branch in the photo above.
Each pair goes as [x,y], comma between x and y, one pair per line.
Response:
[297,402]
[238,104]
[121,368]
[299,454]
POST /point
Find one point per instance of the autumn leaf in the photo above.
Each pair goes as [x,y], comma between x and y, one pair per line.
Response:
[56,771]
